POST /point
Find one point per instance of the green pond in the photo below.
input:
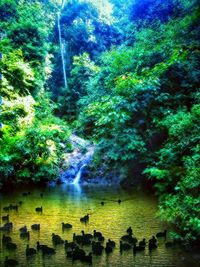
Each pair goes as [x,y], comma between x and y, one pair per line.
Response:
[67,203]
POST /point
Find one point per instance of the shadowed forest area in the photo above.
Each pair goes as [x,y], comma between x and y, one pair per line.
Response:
[130,87]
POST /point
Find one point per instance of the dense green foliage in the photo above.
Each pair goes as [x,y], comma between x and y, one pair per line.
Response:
[31,138]
[83,30]
[142,108]
[133,88]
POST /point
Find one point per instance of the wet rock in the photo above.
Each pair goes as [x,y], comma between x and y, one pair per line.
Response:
[77,160]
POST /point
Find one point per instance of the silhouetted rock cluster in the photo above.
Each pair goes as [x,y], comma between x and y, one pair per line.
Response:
[75,249]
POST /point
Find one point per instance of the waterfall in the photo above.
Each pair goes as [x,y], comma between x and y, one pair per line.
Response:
[85,159]
[77,160]
[62,46]
[78,175]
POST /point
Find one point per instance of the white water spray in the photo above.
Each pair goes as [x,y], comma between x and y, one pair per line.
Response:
[78,175]
[85,161]
[78,160]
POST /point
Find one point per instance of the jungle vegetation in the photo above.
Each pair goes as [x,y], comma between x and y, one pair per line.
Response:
[133,89]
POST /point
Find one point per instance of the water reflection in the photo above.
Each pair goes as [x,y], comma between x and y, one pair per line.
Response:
[67,203]
[75,190]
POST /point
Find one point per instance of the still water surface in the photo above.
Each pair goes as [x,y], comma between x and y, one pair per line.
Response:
[67,203]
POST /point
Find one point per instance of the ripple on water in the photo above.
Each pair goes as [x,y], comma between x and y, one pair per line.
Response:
[67,204]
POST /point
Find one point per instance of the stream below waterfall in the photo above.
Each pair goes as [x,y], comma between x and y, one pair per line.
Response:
[67,203]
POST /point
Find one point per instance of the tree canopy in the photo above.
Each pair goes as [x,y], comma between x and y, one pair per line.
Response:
[133,89]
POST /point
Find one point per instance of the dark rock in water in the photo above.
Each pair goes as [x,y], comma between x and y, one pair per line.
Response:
[6,239]
[85,218]
[30,251]
[124,246]
[59,181]
[162,234]
[6,208]
[5,218]
[10,262]
[35,227]
[23,229]
[69,175]
[48,250]
[11,246]
[6,227]
[13,207]
[25,235]
[66,226]
[51,183]
[108,249]
[71,172]
[97,248]
[85,174]
[169,244]
[38,209]
[57,240]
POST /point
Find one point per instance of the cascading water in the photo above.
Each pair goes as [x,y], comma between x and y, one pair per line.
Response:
[78,175]
[78,160]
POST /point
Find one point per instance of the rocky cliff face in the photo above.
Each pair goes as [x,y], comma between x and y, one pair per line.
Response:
[78,160]
[79,167]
